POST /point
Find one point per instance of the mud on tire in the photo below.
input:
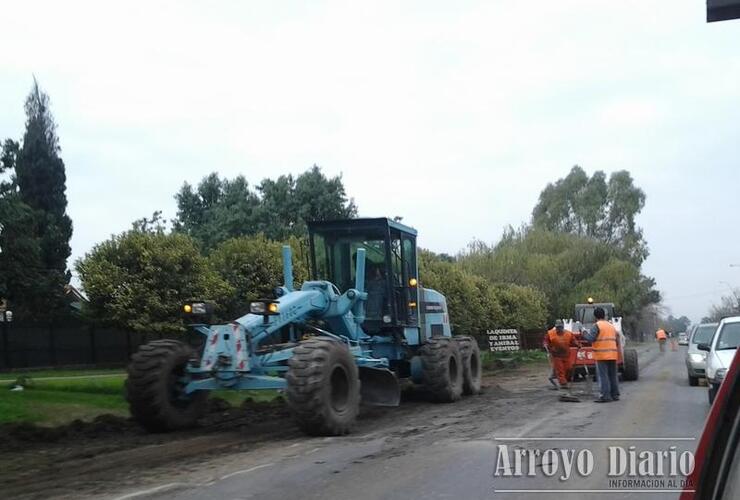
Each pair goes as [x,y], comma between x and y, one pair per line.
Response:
[323,387]
[442,369]
[470,355]
[154,388]
[631,369]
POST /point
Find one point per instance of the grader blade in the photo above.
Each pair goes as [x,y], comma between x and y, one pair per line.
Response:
[379,387]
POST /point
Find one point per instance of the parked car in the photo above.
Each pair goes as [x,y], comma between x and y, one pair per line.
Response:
[716,473]
[696,360]
[721,351]
[683,339]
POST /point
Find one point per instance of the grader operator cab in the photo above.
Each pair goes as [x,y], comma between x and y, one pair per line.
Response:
[581,359]
[359,326]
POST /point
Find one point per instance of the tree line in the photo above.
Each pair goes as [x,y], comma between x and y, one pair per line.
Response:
[220,250]
[224,242]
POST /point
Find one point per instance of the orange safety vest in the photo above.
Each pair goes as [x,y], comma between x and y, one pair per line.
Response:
[560,344]
[660,334]
[605,345]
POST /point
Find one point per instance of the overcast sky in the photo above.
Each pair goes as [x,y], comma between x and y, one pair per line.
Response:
[453,115]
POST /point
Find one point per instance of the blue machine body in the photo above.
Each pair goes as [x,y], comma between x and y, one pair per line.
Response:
[363,292]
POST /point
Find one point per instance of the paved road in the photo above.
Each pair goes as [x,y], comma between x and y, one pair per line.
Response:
[657,409]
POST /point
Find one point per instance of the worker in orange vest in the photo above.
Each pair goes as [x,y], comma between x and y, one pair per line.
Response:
[558,342]
[661,337]
[605,341]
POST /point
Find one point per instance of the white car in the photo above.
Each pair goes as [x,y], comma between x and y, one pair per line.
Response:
[721,352]
[683,339]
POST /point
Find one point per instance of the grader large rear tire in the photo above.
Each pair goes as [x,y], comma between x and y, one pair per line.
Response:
[443,369]
[631,369]
[323,387]
[470,355]
[154,388]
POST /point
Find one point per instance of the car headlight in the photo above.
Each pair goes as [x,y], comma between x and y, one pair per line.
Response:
[697,357]
[720,374]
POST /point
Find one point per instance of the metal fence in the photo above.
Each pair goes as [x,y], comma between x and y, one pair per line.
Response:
[74,344]
[80,344]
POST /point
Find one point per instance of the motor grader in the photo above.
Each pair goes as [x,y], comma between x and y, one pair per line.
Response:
[582,359]
[351,334]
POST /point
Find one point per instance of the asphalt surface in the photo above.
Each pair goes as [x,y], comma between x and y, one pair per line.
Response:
[659,412]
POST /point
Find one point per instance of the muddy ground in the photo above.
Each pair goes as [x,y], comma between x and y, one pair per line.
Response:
[113,455]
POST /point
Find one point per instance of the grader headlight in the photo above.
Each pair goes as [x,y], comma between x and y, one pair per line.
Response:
[264,307]
[198,308]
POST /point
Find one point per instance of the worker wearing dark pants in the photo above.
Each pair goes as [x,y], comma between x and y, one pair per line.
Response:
[605,342]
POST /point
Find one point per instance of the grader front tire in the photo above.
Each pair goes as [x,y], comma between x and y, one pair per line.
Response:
[323,387]
[154,388]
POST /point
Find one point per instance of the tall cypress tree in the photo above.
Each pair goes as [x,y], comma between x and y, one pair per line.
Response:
[41,181]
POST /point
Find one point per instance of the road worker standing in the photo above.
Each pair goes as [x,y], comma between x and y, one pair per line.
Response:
[661,337]
[558,342]
[605,341]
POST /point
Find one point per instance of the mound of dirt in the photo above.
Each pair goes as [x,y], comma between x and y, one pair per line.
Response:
[16,436]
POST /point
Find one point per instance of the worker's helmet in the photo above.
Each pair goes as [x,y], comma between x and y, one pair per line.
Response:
[559,324]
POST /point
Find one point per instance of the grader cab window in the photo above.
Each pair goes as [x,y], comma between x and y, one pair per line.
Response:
[390,264]
[336,258]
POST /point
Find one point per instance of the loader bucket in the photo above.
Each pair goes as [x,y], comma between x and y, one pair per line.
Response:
[379,387]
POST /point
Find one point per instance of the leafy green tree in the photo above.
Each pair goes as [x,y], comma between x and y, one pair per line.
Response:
[217,210]
[595,208]
[252,266]
[36,228]
[565,267]
[20,252]
[676,325]
[524,307]
[140,279]
[475,305]
[220,209]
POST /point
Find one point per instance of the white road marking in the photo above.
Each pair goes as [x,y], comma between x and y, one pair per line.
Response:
[169,486]
[164,487]
[246,471]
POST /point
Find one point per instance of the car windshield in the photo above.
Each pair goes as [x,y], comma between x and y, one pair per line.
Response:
[729,336]
[704,333]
